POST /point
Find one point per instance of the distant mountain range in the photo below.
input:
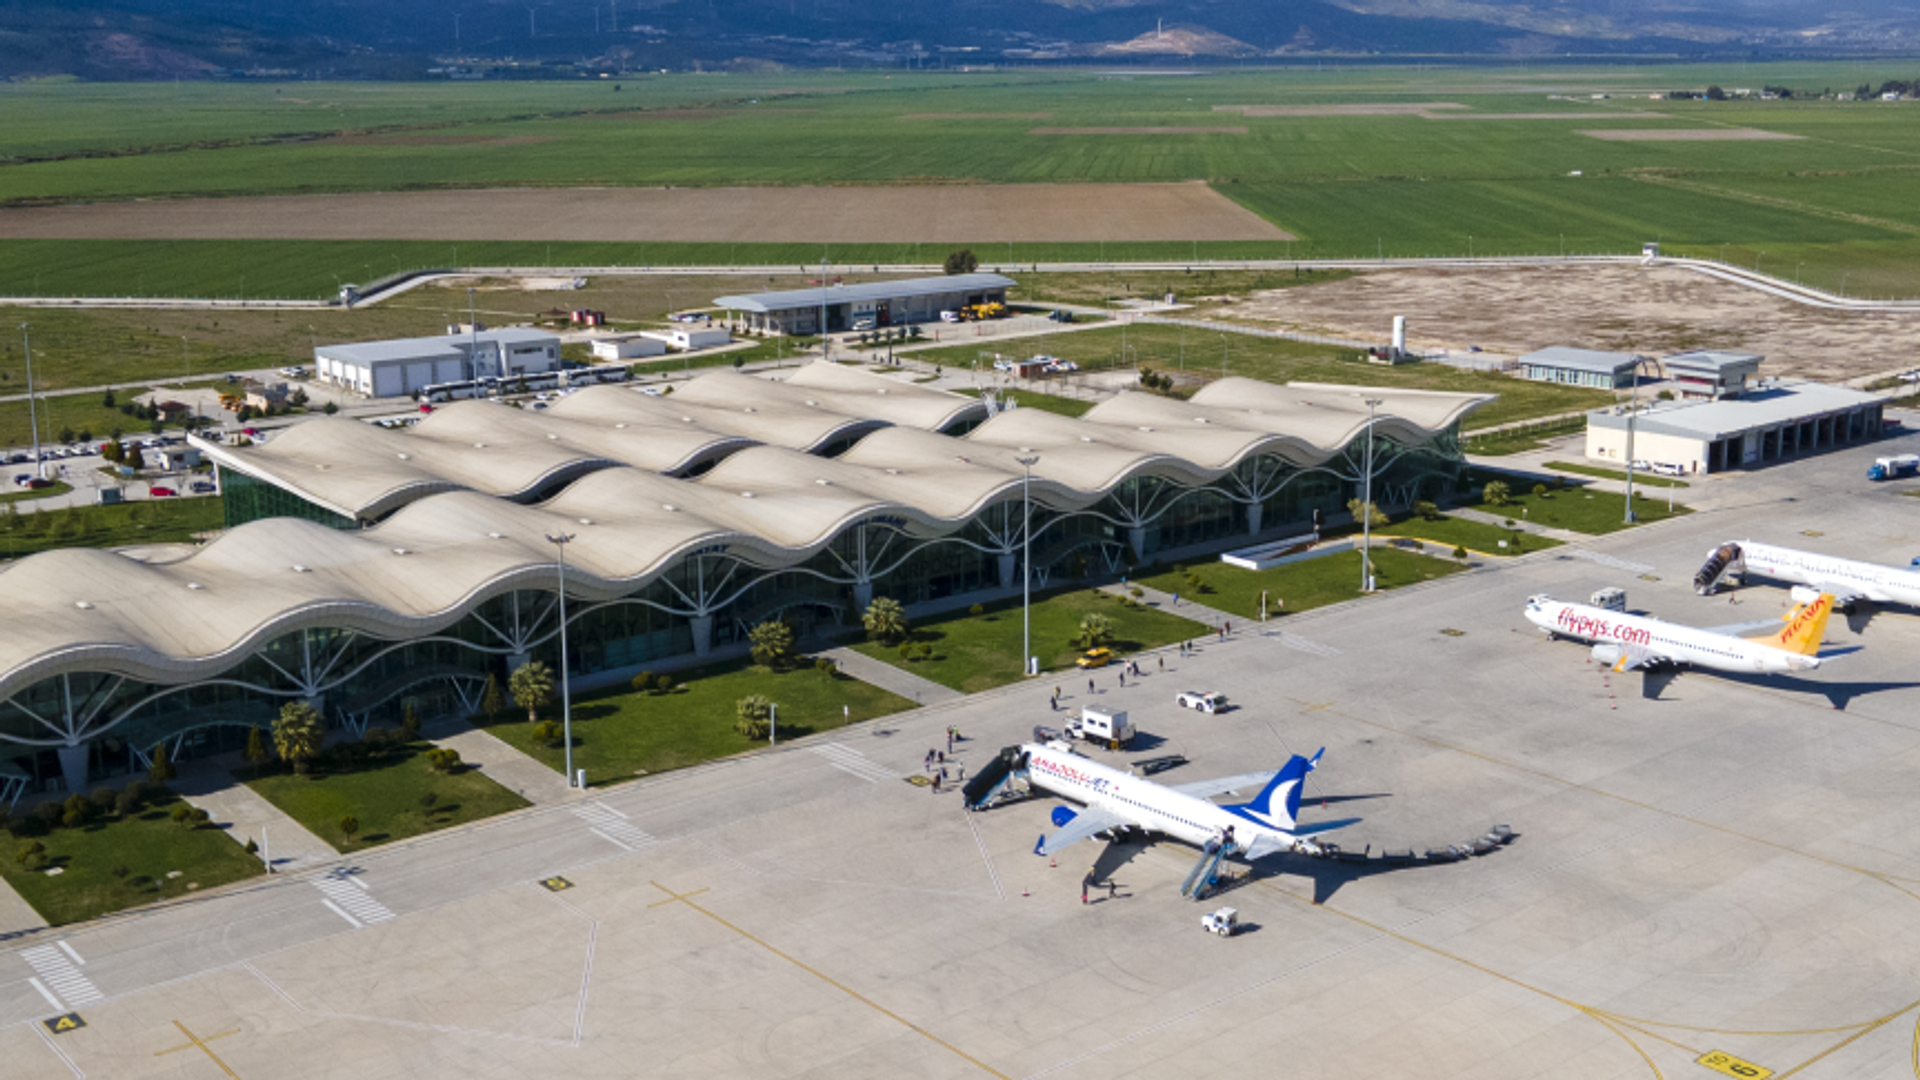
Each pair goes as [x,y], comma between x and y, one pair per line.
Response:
[165,39]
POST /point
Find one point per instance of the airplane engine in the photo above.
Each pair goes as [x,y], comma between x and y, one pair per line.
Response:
[1606,654]
[1803,594]
[1062,815]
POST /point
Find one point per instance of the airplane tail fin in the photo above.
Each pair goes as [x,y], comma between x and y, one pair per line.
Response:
[1283,789]
[1806,627]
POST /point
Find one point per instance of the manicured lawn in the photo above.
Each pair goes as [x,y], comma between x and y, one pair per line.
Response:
[1580,509]
[1522,439]
[1053,403]
[1649,479]
[978,652]
[618,734]
[1300,586]
[58,487]
[1472,535]
[148,844]
[384,794]
[155,521]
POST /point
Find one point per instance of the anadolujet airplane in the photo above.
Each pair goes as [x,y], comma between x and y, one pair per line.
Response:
[1810,574]
[1265,825]
[1631,641]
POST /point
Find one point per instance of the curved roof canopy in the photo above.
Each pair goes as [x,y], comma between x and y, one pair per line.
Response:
[434,560]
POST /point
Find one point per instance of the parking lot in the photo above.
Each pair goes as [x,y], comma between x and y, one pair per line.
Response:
[1731,867]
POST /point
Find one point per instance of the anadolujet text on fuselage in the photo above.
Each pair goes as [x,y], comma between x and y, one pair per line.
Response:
[1810,574]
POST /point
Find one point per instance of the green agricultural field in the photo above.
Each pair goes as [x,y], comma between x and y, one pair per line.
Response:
[1493,177]
[1296,587]
[972,653]
[618,733]
[1182,351]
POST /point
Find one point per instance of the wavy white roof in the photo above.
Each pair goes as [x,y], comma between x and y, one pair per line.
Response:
[438,557]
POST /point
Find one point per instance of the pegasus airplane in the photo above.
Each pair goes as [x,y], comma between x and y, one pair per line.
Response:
[1112,799]
[1810,574]
[1631,641]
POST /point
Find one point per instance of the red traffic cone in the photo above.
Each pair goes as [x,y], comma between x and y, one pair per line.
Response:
[1053,864]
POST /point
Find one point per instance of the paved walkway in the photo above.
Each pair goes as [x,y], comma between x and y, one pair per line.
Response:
[502,764]
[245,815]
[887,677]
[17,917]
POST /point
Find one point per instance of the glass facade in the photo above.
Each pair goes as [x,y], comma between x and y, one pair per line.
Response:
[358,679]
[250,499]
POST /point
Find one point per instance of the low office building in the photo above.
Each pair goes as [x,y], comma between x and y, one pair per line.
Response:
[684,338]
[1581,367]
[1775,419]
[628,347]
[398,368]
[104,657]
[848,307]
[1710,374]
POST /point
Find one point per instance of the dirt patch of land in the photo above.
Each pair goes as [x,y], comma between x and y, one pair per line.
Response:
[1378,108]
[1687,135]
[1025,213]
[1214,130]
[1653,310]
[436,140]
[977,116]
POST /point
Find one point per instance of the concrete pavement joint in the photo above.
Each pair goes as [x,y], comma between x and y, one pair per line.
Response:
[47,1038]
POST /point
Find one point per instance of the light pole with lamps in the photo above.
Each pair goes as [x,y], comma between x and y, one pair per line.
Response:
[33,415]
[561,540]
[1366,507]
[1633,413]
[1026,571]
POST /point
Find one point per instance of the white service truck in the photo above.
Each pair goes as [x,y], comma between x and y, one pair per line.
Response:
[1103,728]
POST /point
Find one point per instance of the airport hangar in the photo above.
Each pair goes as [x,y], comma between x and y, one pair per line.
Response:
[366,570]
[1771,420]
[400,367]
[887,303]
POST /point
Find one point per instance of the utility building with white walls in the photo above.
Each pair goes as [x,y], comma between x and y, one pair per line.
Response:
[397,368]
[1581,367]
[885,303]
[1776,419]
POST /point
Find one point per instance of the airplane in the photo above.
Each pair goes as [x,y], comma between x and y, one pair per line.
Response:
[1631,641]
[1810,574]
[1116,800]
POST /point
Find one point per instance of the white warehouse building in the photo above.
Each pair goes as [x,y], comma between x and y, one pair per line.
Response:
[398,368]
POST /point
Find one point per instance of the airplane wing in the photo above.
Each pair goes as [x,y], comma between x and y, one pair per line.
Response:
[1084,824]
[1207,789]
[1632,656]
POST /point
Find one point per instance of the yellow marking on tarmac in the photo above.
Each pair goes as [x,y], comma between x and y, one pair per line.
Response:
[1313,708]
[686,898]
[1722,1062]
[194,1041]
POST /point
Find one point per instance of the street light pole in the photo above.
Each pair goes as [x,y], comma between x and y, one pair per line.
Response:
[560,540]
[1026,570]
[1633,413]
[1366,508]
[33,415]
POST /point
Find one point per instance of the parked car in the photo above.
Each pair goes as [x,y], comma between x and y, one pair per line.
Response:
[160,492]
[23,480]
[1094,658]
[37,482]
[864,324]
[204,487]
[1205,701]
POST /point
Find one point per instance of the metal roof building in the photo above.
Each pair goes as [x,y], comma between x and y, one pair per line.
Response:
[1580,367]
[1711,373]
[104,656]
[887,303]
[1777,419]
[399,367]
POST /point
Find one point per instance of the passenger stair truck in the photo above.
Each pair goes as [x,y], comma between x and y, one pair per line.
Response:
[1206,872]
[1889,468]
[1725,563]
[1102,728]
[999,780]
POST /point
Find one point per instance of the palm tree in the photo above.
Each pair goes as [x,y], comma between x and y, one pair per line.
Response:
[886,620]
[1095,630]
[531,686]
[753,716]
[772,643]
[298,734]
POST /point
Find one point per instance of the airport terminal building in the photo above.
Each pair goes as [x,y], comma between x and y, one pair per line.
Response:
[374,569]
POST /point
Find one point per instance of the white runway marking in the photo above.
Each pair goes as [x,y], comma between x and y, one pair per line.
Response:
[612,826]
[54,965]
[350,902]
[1300,644]
[849,760]
[1608,560]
